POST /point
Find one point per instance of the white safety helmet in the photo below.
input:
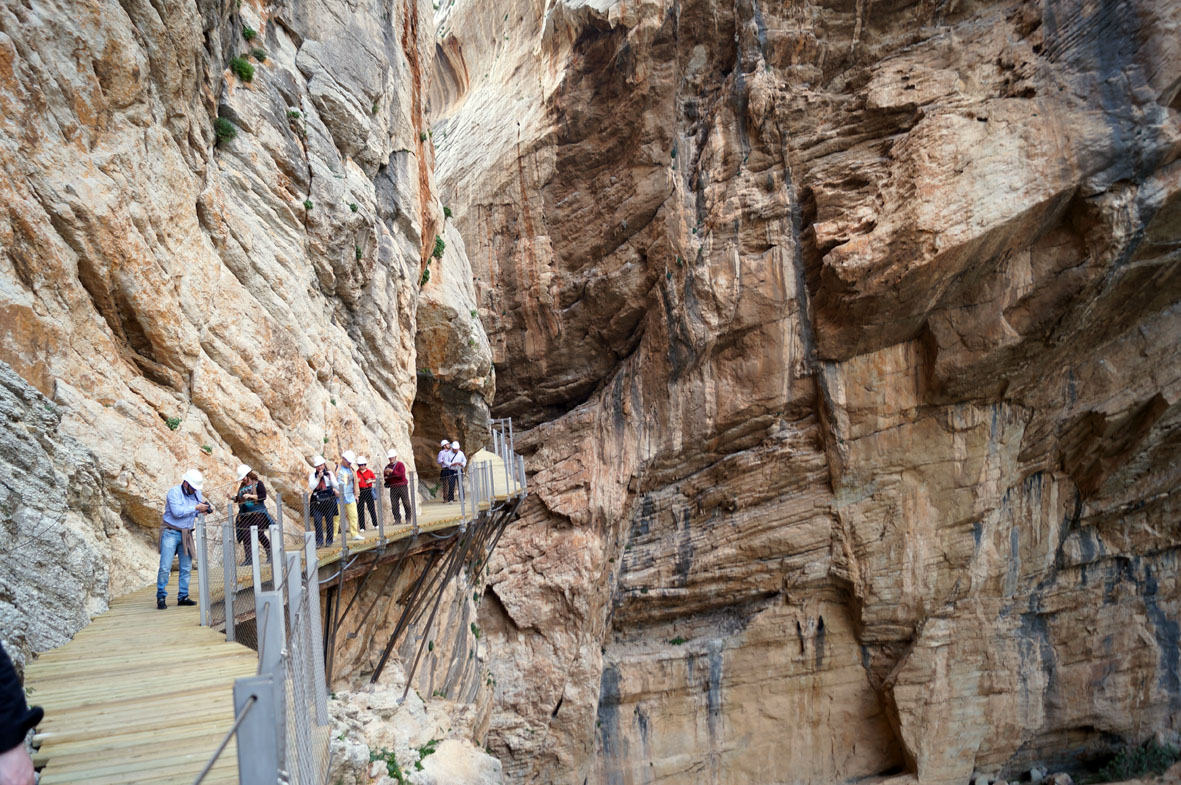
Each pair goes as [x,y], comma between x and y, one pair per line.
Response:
[392,454]
[362,461]
[444,443]
[318,461]
[349,456]
[455,445]
[194,479]
[243,470]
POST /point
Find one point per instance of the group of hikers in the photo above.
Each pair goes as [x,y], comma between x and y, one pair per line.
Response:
[352,486]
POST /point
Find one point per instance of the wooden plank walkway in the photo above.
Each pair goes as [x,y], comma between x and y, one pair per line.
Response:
[144,696]
[138,696]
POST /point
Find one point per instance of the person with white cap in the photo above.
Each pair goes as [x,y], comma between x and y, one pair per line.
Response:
[251,498]
[366,479]
[346,481]
[323,490]
[457,464]
[445,474]
[181,508]
[394,477]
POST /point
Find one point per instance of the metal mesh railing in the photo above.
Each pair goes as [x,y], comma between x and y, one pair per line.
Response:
[269,598]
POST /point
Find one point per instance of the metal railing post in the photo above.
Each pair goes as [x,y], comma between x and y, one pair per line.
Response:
[413,488]
[314,632]
[276,545]
[508,488]
[230,572]
[343,527]
[271,656]
[292,569]
[255,565]
[379,491]
[258,746]
[202,572]
[521,463]
[459,475]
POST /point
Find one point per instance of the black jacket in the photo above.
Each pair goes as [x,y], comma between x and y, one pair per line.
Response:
[15,715]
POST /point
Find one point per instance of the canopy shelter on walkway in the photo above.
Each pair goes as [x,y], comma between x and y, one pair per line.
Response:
[162,697]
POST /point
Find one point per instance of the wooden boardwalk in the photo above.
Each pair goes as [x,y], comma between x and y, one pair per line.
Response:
[145,696]
[138,696]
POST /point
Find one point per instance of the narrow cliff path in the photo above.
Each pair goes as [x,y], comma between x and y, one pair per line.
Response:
[145,696]
[138,696]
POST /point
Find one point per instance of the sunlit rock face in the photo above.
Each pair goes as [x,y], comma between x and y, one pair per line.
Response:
[847,336]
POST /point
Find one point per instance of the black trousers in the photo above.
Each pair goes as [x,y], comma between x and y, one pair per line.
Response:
[242,525]
[365,497]
[400,494]
[447,479]
[323,517]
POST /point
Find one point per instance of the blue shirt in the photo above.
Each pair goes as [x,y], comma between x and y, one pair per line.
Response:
[180,510]
[348,488]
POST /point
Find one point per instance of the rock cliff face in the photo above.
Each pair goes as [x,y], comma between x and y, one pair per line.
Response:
[849,338]
[214,226]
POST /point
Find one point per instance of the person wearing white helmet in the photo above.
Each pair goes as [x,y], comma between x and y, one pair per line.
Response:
[323,490]
[346,480]
[458,464]
[394,477]
[181,508]
[251,497]
[445,473]
[366,479]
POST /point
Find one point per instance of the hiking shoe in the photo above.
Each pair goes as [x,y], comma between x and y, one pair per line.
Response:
[183,601]
[160,604]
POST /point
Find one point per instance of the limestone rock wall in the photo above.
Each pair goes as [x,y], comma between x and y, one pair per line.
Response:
[848,338]
[185,299]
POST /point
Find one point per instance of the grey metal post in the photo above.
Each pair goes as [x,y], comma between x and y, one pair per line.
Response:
[292,569]
[506,457]
[271,662]
[314,629]
[414,501]
[343,527]
[202,572]
[521,463]
[279,511]
[258,742]
[462,497]
[276,546]
[380,491]
[229,573]
[256,567]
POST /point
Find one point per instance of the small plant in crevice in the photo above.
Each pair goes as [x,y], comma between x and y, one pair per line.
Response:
[307,204]
[422,136]
[241,68]
[426,277]
[259,54]
[373,109]
[446,211]
[430,645]
[332,401]
[475,631]
[428,748]
[207,449]
[249,32]
[353,206]
[294,114]
[391,764]
[172,422]
[224,130]
[357,251]
[475,314]
[440,246]
[677,641]
[326,440]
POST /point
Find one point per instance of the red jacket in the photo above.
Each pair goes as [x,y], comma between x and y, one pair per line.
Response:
[365,477]
[395,475]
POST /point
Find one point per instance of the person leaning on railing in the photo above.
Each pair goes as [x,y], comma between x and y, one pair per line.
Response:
[366,479]
[346,480]
[445,473]
[181,508]
[16,720]
[251,497]
[323,490]
[394,478]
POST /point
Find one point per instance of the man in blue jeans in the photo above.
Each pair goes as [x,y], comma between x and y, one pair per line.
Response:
[181,508]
